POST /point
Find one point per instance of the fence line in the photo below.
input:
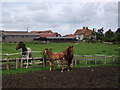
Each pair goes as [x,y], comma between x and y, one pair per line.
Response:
[7,60]
[86,58]
[94,58]
[18,53]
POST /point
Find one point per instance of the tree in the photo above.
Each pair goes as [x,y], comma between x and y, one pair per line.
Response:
[109,35]
[117,36]
[100,35]
[118,30]
[100,30]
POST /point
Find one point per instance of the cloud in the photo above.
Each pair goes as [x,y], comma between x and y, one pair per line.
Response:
[62,17]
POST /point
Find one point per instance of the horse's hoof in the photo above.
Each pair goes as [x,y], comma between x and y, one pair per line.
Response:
[50,70]
[68,70]
[54,69]
[61,71]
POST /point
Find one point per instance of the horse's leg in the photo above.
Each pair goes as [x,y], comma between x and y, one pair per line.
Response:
[62,63]
[30,56]
[58,63]
[69,63]
[51,65]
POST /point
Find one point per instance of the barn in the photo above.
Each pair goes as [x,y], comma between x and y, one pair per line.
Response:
[17,36]
[57,39]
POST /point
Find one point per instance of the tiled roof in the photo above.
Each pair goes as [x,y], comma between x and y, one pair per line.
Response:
[83,31]
[18,33]
[48,31]
[46,35]
[89,32]
[70,35]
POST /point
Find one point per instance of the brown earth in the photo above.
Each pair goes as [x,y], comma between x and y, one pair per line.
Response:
[89,77]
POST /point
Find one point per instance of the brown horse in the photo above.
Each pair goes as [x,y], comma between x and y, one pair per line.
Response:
[69,53]
[24,50]
[55,56]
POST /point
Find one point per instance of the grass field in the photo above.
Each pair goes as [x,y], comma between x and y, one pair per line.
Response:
[24,70]
[79,49]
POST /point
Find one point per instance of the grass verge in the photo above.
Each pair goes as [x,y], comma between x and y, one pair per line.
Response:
[24,70]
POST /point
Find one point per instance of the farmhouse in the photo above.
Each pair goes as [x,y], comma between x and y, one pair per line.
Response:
[17,36]
[83,33]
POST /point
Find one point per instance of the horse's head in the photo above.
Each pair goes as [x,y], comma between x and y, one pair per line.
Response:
[47,51]
[20,45]
[69,50]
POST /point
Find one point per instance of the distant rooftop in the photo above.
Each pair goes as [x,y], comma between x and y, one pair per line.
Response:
[18,33]
[60,37]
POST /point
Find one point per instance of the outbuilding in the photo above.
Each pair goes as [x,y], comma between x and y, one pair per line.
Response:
[18,36]
[58,39]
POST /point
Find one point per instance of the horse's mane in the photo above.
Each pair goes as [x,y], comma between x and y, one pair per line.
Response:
[24,45]
[48,50]
[68,51]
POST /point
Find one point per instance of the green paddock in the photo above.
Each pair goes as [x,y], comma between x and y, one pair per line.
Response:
[79,49]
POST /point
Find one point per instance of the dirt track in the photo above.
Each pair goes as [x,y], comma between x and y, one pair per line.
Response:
[90,77]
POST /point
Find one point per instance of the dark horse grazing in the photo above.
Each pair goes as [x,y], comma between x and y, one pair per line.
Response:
[55,56]
[24,50]
[69,53]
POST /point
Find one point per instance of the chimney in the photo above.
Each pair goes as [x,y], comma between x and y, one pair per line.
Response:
[83,27]
[87,28]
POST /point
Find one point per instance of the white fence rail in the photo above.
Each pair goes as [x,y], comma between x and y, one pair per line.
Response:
[94,58]
[76,58]
[16,60]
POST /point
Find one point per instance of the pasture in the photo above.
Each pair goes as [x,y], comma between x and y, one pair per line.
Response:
[79,49]
[87,76]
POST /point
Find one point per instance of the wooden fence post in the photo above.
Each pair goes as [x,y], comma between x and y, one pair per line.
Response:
[113,59]
[75,63]
[86,59]
[7,64]
[94,59]
[43,61]
[105,60]
[21,63]
[17,63]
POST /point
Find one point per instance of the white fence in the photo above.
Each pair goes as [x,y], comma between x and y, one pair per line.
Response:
[95,58]
[16,60]
[19,61]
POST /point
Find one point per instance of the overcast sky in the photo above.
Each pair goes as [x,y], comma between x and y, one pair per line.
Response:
[61,17]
